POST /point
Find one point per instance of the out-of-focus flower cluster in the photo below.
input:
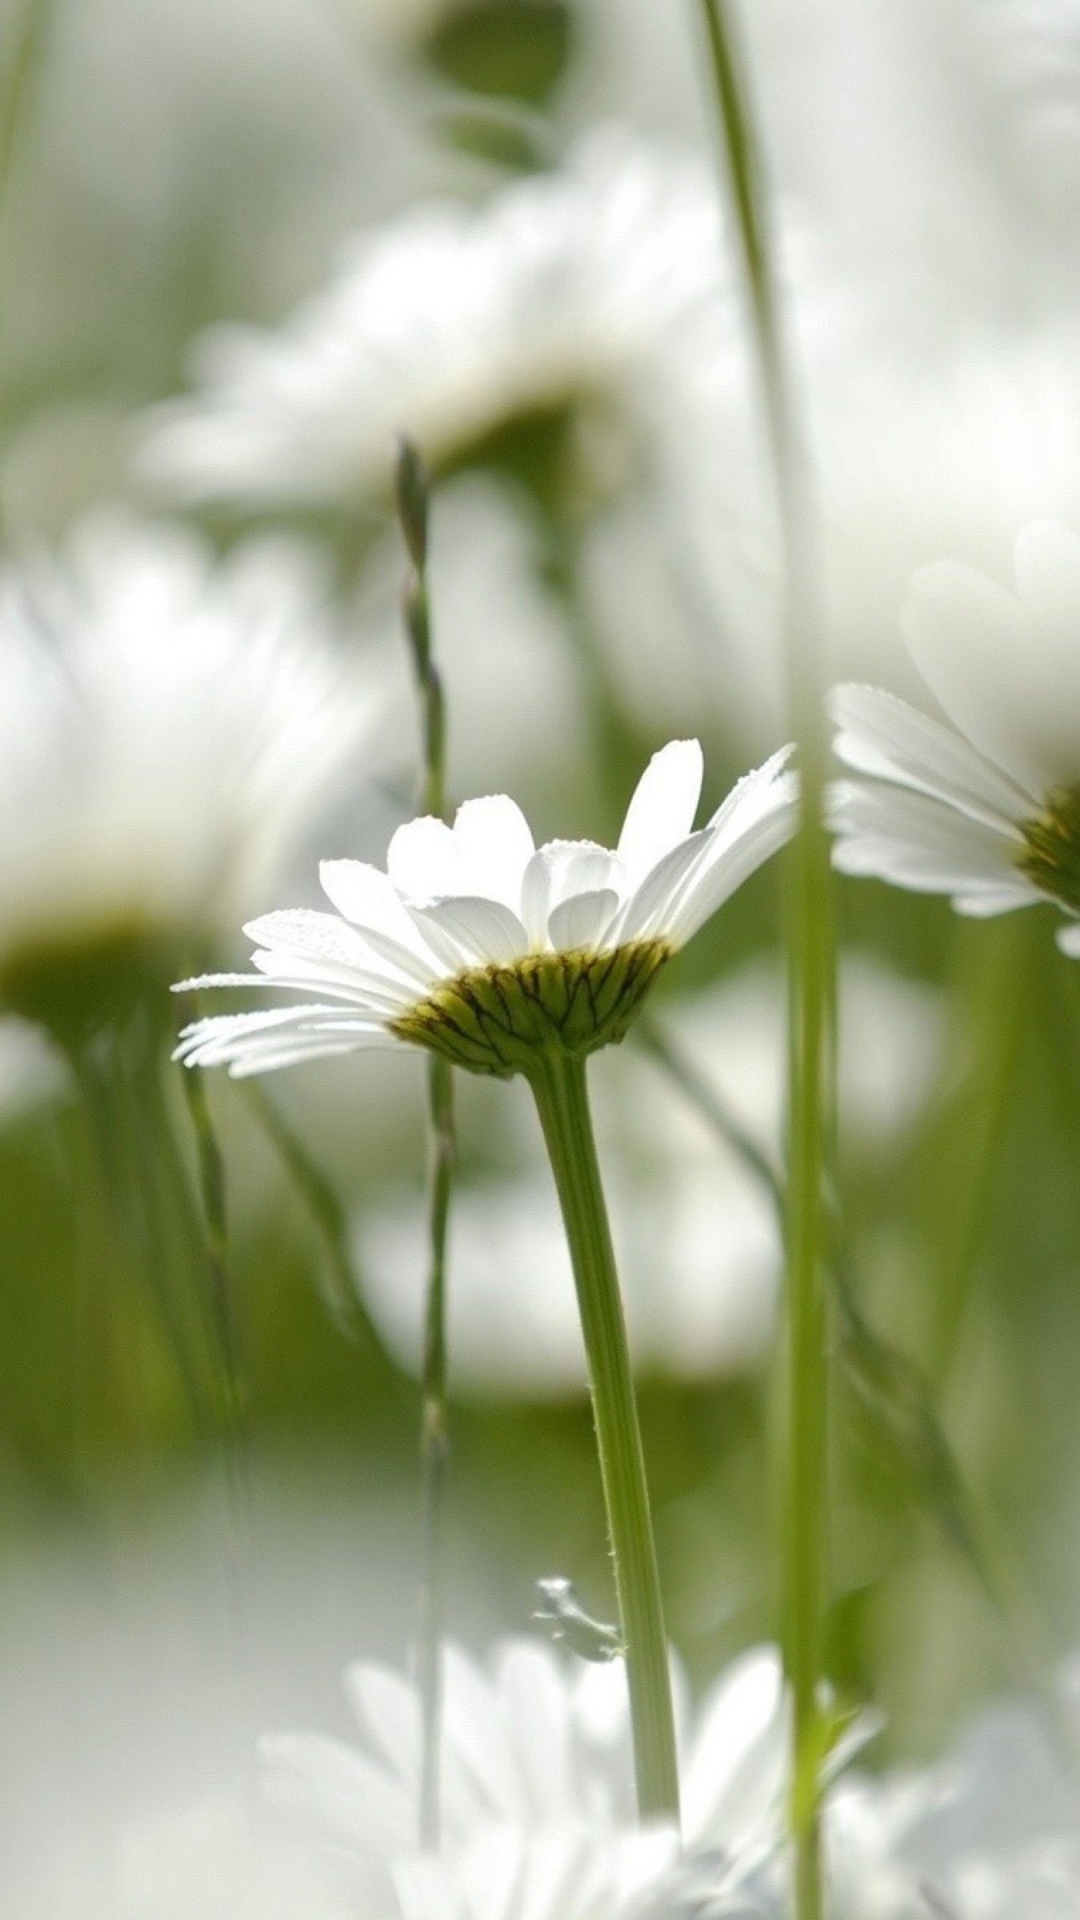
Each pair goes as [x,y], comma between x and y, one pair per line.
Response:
[246,244]
[536,1812]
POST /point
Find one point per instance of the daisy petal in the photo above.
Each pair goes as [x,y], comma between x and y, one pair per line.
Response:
[661,812]
[921,843]
[387,1707]
[494,846]
[881,735]
[242,1040]
[646,912]
[559,870]
[371,902]
[733,860]
[317,936]
[483,932]
[1068,939]
[422,860]
[582,920]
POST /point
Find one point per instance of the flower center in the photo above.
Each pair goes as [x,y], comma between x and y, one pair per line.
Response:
[495,1019]
[1051,856]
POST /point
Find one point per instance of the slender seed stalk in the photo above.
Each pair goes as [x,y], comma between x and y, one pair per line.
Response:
[559,1088]
[810,948]
[412,504]
[434,1437]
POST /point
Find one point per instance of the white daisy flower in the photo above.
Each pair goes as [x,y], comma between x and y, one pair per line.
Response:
[985,805]
[560,290]
[538,1743]
[505,1875]
[485,948]
[168,728]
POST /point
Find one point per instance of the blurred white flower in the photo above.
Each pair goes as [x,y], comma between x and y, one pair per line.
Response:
[168,728]
[489,950]
[539,1744]
[985,808]
[989,1832]
[915,453]
[504,1874]
[453,322]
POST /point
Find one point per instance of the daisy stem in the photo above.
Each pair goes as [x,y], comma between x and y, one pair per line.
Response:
[412,502]
[559,1088]
[811,973]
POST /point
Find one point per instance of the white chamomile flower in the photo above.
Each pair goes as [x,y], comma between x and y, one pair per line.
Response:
[505,1875]
[451,323]
[538,1743]
[536,1770]
[168,727]
[985,805]
[489,950]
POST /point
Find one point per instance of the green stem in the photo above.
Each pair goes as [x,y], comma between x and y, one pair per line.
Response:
[559,1088]
[412,492]
[810,947]
[434,1439]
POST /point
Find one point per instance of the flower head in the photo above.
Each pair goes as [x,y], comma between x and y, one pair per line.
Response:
[555,296]
[483,947]
[167,729]
[985,808]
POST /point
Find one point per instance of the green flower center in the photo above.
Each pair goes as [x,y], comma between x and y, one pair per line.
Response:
[1051,856]
[496,1019]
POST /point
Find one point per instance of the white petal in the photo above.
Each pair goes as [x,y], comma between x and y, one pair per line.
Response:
[881,735]
[534,1695]
[482,932]
[494,846]
[736,1772]
[1068,939]
[736,854]
[662,810]
[276,1036]
[753,789]
[371,902]
[984,900]
[918,842]
[559,870]
[388,1708]
[375,993]
[202,980]
[583,920]
[482,1769]
[320,947]
[422,860]
[317,936]
[648,911]
[986,664]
